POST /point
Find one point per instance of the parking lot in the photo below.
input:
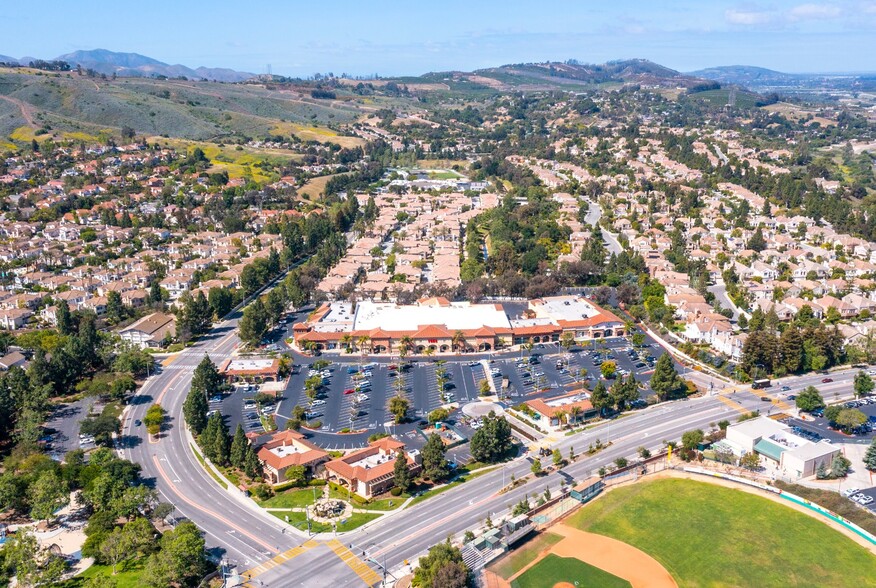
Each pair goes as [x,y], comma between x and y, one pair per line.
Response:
[819,428]
[355,393]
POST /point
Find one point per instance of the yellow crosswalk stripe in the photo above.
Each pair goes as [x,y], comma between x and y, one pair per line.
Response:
[279,559]
[732,404]
[363,570]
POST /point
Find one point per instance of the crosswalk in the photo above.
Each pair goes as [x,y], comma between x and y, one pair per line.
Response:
[362,569]
[278,560]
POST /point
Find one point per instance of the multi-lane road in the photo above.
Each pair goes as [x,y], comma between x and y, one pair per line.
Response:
[248,537]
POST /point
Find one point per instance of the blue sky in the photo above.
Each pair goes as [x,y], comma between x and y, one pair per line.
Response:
[393,37]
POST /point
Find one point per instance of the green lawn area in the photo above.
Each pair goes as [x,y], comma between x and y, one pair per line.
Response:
[708,535]
[524,554]
[554,569]
[299,520]
[293,498]
[127,577]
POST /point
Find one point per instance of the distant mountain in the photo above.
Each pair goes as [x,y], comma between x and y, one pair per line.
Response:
[572,73]
[136,65]
[745,75]
[761,79]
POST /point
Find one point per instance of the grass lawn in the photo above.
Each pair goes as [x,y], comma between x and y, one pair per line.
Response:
[299,520]
[293,498]
[524,554]
[708,535]
[554,569]
[463,477]
[127,577]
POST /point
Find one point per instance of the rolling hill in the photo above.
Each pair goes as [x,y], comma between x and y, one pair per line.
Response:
[70,103]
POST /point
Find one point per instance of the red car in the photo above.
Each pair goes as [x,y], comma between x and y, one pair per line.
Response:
[826,380]
[349,391]
[392,366]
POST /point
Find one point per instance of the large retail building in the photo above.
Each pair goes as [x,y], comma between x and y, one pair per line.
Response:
[440,326]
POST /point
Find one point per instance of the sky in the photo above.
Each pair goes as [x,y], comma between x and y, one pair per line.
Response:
[392,37]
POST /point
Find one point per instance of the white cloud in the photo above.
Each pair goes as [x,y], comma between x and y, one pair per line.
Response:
[814,11]
[747,17]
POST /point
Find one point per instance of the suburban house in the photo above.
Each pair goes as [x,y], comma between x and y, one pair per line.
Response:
[286,449]
[150,330]
[369,472]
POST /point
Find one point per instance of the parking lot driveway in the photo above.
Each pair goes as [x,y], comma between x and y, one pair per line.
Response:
[65,422]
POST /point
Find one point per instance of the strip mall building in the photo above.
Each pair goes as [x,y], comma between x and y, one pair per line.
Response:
[440,326]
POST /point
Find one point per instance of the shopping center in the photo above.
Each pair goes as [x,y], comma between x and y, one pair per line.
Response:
[436,325]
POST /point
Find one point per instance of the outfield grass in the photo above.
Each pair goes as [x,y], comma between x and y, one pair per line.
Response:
[524,554]
[554,569]
[708,535]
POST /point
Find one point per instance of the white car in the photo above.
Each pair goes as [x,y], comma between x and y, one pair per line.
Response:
[865,500]
[268,409]
[849,492]
[318,402]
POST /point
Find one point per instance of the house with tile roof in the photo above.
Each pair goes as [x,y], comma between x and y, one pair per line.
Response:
[370,472]
[286,449]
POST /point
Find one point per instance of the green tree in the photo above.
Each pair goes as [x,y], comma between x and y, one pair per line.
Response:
[47,494]
[536,467]
[66,325]
[206,379]
[665,381]
[599,398]
[115,309]
[154,419]
[863,384]
[214,441]
[401,473]
[254,323]
[195,410]
[434,462]
[557,457]
[252,467]
[180,560]
[870,456]
[492,441]
[608,369]
[238,448]
[31,565]
[442,567]
[849,419]
[221,301]
[398,407]
[691,439]
[809,399]
[750,461]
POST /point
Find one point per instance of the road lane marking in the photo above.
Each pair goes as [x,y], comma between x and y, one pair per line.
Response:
[190,502]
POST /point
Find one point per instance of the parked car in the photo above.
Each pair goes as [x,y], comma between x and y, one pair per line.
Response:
[349,391]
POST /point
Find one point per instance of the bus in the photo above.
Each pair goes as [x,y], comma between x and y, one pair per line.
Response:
[758,384]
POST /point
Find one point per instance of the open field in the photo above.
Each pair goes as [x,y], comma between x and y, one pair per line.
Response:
[730,538]
[313,188]
[720,97]
[128,576]
[795,113]
[239,163]
[553,571]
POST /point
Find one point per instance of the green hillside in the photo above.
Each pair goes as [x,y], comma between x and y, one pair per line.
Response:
[175,108]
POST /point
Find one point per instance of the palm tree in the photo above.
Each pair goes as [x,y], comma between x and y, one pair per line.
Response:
[458,340]
[574,413]
[362,342]
[561,416]
[428,352]
[406,344]
[347,341]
